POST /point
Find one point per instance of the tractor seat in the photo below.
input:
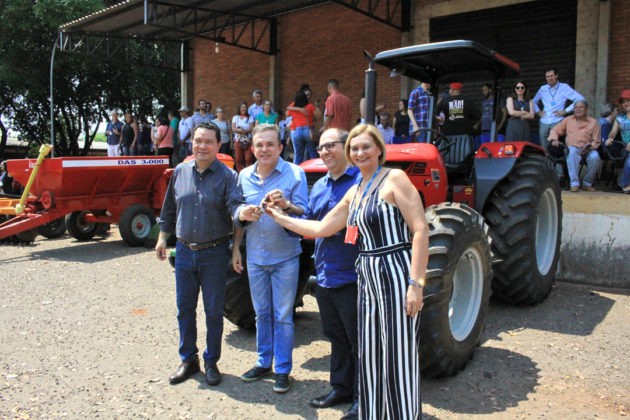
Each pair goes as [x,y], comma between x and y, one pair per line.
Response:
[458,159]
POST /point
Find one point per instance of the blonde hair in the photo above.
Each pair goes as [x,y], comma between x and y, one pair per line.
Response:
[373,132]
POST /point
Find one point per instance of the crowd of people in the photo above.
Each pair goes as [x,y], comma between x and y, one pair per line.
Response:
[565,129]
[172,135]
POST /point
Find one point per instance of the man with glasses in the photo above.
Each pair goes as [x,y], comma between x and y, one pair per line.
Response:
[554,96]
[201,196]
[336,289]
[273,254]
[583,138]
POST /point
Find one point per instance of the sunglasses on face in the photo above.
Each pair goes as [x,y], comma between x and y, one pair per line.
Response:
[519,87]
[328,146]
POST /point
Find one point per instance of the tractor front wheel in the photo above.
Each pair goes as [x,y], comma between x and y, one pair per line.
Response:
[457,288]
[525,218]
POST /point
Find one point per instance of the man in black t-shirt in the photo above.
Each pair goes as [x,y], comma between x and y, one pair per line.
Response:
[456,112]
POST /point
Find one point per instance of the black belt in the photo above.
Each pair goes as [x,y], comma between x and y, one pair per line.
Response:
[198,246]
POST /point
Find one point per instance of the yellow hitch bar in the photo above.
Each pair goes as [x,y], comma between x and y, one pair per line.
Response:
[43,151]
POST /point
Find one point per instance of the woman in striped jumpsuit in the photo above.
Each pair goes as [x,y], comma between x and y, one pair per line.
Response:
[386,211]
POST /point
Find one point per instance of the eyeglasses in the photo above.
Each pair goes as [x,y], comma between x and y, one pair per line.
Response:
[519,87]
[328,146]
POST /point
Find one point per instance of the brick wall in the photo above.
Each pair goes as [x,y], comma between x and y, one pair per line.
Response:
[316,44]
[619,66]
[226,78]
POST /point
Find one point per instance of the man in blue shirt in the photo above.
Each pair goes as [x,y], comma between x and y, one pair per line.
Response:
[272,252]
[553,96]
[112,131]
[203,115]
[336,290]
[200,199]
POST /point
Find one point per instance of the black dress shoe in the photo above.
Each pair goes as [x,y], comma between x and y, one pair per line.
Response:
[213,376]
[184,371]
[331,399]
[353,413]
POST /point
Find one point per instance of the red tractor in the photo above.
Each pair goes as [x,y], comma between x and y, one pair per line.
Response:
[494,212]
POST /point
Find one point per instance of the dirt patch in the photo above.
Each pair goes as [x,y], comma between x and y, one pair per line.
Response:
[89,331]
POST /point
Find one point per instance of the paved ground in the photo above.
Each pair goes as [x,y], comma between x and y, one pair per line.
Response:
[88,330]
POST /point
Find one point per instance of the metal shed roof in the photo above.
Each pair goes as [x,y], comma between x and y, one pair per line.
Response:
[249,24]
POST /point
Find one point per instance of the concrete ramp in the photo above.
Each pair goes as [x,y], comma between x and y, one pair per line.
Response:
[595,245]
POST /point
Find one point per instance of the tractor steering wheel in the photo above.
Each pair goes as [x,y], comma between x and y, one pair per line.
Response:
[440,141]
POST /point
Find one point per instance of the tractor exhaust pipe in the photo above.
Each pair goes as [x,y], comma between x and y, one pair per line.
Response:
[370,89]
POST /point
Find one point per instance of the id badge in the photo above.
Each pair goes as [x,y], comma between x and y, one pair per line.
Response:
[352,233]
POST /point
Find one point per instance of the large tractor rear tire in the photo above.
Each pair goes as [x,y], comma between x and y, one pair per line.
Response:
[239,308]
[525,218]
[53,229]
[78,228]
[457,289]
[135,224]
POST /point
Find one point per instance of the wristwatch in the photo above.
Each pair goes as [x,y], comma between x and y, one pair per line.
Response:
[417,283]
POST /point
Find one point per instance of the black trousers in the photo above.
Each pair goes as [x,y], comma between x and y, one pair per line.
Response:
[338,312]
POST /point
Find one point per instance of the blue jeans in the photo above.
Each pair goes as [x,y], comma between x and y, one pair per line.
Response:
[125,150]
[302,143]
[273,289]
[573,165]
[205,270]
[625,175]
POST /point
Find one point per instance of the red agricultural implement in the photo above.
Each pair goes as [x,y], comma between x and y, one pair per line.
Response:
[90,192]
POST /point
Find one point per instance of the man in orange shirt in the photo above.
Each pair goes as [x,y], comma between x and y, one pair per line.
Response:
[338,113]
[583,137]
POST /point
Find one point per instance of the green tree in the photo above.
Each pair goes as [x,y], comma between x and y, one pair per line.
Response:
[84,87]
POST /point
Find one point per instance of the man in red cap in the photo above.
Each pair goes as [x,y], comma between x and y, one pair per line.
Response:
[456,112]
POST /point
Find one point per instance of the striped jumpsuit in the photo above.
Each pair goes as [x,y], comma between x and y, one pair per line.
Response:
[389,365]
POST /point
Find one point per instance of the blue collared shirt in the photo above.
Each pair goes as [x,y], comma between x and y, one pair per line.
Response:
[198,206]
[269,243]
[334,260]
[197,119]
[553,99]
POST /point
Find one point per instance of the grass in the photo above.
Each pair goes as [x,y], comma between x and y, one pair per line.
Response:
[100,137]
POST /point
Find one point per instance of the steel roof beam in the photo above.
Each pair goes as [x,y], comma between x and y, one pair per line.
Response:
[196,23]
[369,8]
[163,54]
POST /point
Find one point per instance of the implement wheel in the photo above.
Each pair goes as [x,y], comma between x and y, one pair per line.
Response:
[525,218]
[457,288]
[135,224]
[78,228]
[53,229]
